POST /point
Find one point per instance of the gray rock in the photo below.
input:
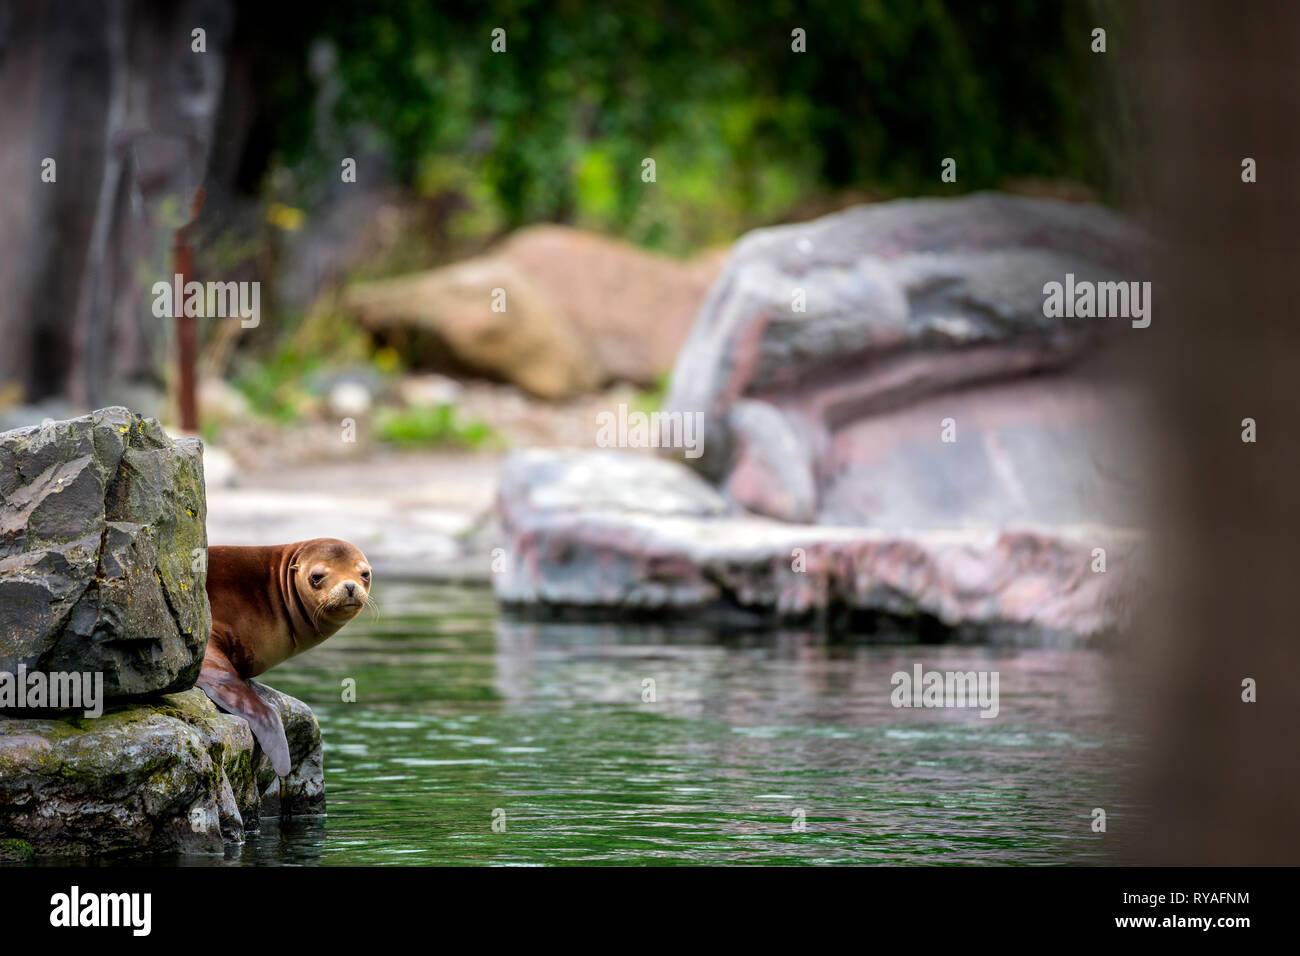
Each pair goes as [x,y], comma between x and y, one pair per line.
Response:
[773,471]
[832,363]
[101,519]
[168,776]
[901,300]
[1016,585]
[538,481]
[302,792]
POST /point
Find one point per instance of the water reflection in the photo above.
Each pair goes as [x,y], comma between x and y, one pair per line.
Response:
[462,714]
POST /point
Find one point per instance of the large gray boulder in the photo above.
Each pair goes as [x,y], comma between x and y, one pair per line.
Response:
[174,775]
[814,327]
[891,425]
[101,544]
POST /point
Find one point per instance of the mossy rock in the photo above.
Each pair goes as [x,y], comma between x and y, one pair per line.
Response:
[173,774]
[102,525]
[19,851]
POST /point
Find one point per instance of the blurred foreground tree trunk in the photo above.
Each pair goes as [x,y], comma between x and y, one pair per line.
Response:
[1221,86]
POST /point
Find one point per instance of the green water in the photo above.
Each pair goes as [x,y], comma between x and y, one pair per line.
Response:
[461,714]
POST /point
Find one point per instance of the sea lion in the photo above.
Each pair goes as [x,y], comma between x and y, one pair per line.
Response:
[268,604]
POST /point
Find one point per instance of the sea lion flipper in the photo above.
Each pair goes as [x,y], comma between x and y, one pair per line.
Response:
[225,688]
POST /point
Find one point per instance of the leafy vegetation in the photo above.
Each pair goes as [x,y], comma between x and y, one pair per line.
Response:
[743,130]
[19,850]
[274,385]
[432,425]
[651,399]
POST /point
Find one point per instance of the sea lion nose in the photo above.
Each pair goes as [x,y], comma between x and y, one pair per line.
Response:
[351,588]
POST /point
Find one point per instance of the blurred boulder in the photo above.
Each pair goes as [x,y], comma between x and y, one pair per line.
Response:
[429,390]
[816,327]
[541,482]
[101,521]
[350,400]
[625,533]
[447,317]
[632,307]
[891,425]
[222,402]
[575,311]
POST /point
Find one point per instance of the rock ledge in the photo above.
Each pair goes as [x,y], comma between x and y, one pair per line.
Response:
[172,775]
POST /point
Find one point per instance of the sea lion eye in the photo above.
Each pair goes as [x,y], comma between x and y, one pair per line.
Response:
[365,575]
[316,578]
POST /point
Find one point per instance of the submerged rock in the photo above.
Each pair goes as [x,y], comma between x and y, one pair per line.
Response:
[172,775]
[101,526]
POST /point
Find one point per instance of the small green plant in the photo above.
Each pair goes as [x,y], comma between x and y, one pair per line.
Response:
[273,386]
[210,430]
[432,425]
[651,399]
[19,850]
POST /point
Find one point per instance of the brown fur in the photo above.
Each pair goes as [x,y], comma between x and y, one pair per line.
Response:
[266,609]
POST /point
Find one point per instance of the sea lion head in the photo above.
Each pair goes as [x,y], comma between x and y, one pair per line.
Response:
[333,579]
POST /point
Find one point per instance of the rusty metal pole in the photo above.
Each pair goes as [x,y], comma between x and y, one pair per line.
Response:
[187,326]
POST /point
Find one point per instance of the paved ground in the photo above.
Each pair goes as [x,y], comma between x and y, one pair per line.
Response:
[425,515]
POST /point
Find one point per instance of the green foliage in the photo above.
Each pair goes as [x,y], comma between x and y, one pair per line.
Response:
[210,431]
[273,385]
[742,129]
[651,399]
[285,383]
[431,425]
[19,850]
